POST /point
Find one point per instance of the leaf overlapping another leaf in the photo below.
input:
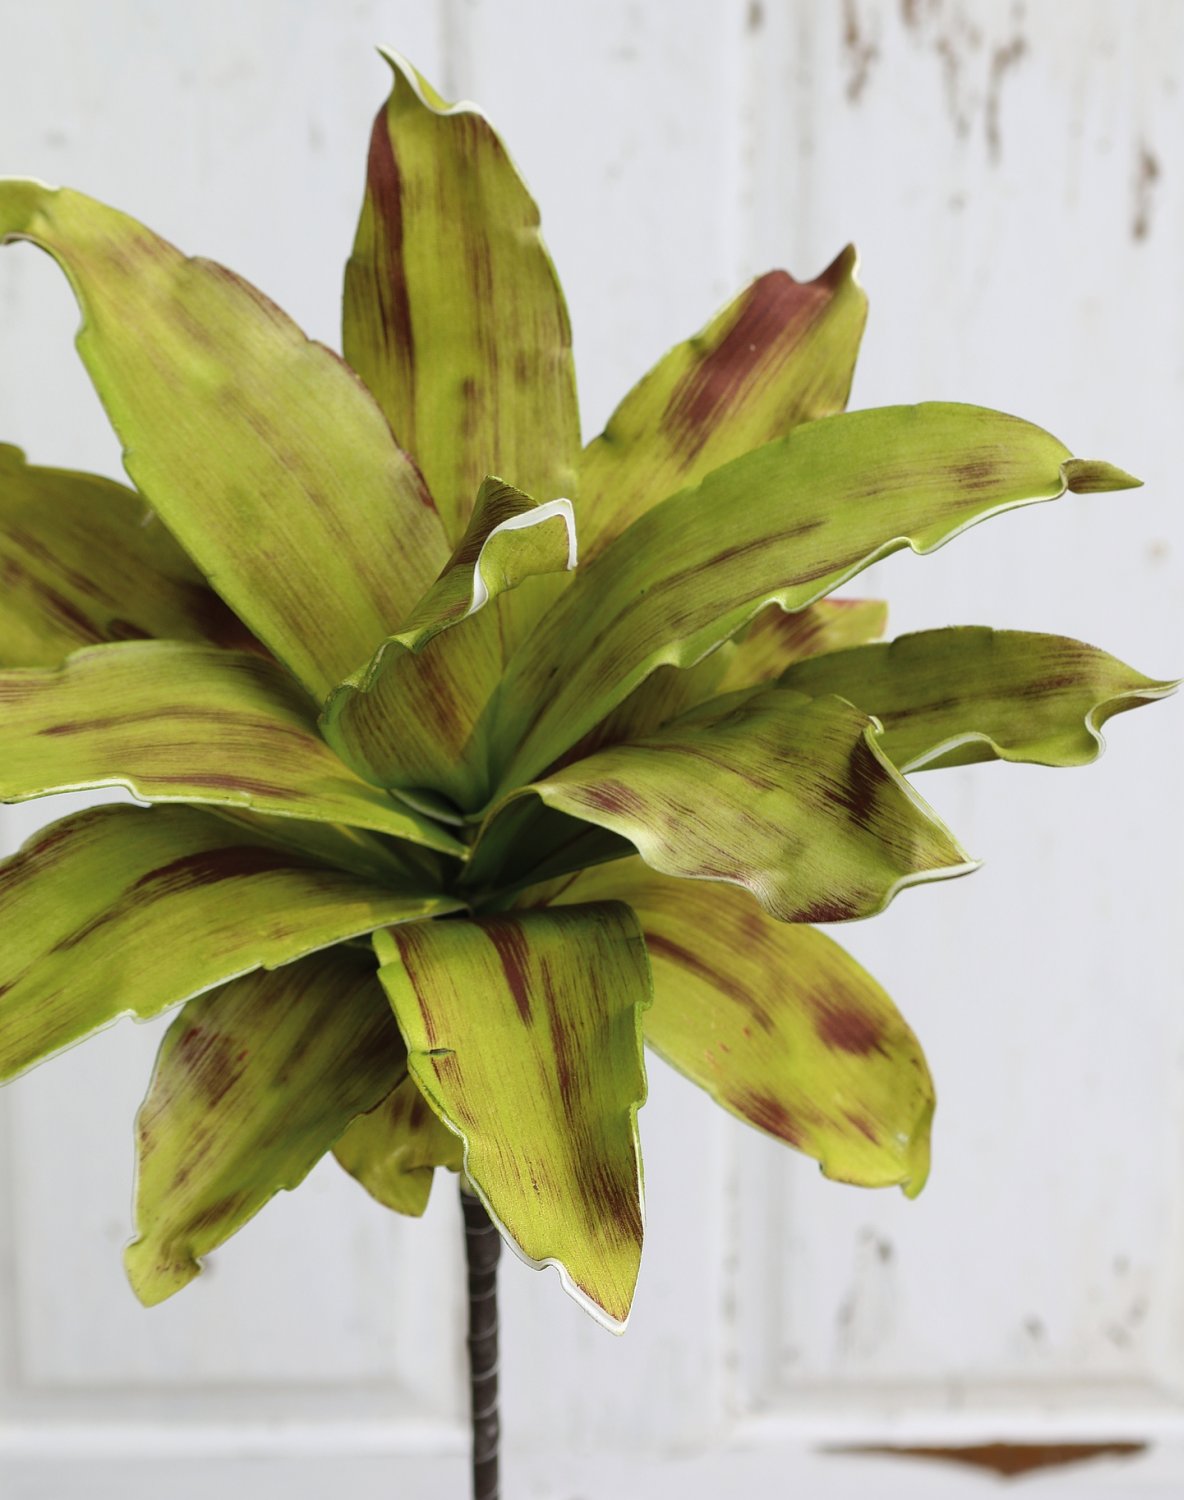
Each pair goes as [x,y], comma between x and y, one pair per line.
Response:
[174,722]
[778,1024]
[253,1084]
[394,1149]
[969,693]
[126,911]
[788,796]
[83,560]
[542,1079]
[785,524]
[260,450]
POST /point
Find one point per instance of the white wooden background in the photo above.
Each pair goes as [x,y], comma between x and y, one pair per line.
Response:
[1011,174]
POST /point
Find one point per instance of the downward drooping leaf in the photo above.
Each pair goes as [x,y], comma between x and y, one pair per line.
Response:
[524,1034]
[454,316]
[779,1025]
[259,449]
[407,718]
[125,911]
[968,693]
[785,524]
[394,1149]
[788,796]
[185,723]
[253,1085]
[83,560]
[781,353]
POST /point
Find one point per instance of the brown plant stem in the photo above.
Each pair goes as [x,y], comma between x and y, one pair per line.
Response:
[482,1248]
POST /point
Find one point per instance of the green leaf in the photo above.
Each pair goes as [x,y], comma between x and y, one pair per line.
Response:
[785,524]
[394,1149]
[454,316]
[968,693]
[407,718]
[126,911]
[788,796]
[253,1085]
[524,1034]
[758,655]
[781,353]
[83,560]
[185,723]
[775,639]
[259,449]
[779,1025]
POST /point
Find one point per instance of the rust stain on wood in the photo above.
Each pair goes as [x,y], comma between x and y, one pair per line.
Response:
[1008,1460]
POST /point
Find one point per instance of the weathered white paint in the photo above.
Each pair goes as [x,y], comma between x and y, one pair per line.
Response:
[1010,174]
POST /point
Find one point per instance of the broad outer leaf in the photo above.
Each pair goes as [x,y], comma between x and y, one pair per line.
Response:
[454,316]
[788,796]
[83,560]
[524,1033]
[969,693]
[407,718]
[126,911]
[259,449]
[394,1149]
[779,1025]
[787,523]
[781,353]
[253,1085]
[185,723]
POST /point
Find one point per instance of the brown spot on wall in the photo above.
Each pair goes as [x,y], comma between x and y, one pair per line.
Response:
[1008,1460]
[1147,174]
[859,50]
[1003,60]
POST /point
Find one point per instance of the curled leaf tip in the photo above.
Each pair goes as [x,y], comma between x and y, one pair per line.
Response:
[1090,476]
[405,71]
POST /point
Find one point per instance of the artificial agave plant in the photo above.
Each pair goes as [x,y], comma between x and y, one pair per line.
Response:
[444,827]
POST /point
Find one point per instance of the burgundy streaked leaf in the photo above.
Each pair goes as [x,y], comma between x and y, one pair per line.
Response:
[454,315]
[254,1083]
[781,353]
[259,449]
[778,1024]
[394,1149]
[785,524]
[542,1080]
[83,560]
[126,911]
[968,693]
[788,796]
[186,723]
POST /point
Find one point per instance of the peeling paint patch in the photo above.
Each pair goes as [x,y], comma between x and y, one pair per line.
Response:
[860,51]
[1008,1460]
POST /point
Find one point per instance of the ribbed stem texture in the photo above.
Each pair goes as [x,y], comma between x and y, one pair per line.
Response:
[482,1248]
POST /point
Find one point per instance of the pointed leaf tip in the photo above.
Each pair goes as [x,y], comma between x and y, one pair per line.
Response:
[1090,476]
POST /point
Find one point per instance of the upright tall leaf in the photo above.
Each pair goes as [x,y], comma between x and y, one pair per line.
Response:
[778,1024]
[542,1077]
[259,449]
[84,560]
[454,316]
[785,524]
[121,911]
[253,1085]
[781,353]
